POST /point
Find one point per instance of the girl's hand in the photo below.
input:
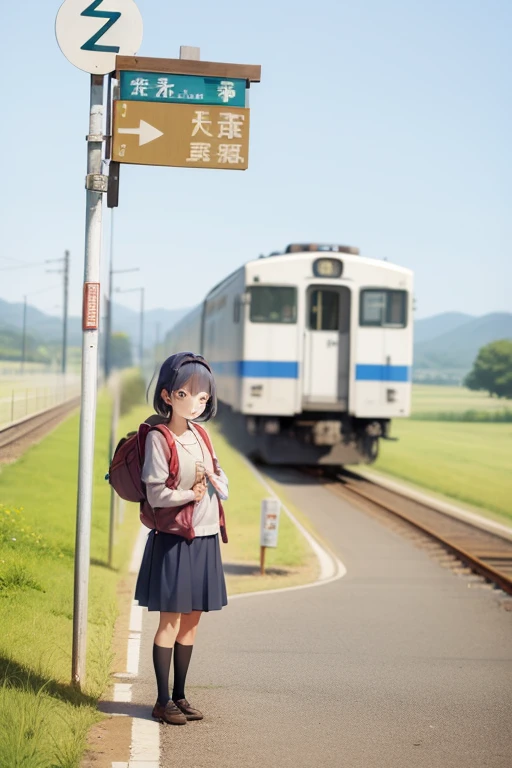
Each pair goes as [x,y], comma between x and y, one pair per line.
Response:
[200,472]
[199,490]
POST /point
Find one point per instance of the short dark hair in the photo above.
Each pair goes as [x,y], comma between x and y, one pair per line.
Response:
[178,371]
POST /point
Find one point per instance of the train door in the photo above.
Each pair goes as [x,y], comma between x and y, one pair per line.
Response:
[327,346]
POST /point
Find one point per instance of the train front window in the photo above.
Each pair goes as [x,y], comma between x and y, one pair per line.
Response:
[273,304]
[383,308]
[324,310]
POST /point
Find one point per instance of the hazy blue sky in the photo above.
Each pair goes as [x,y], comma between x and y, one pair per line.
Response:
[378,123]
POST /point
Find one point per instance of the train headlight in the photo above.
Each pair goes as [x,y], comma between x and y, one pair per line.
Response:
[327,268]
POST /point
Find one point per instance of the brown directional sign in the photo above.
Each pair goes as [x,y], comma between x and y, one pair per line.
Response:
[181,135]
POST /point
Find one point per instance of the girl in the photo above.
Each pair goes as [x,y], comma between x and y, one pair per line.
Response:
[181,573]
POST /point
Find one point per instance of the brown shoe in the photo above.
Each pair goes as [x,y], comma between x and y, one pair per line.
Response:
[189,712]
[168,713]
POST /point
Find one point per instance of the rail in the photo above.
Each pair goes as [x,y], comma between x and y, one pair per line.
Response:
[13,433]
[482,551]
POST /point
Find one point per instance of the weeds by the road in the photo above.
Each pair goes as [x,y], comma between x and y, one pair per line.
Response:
[44,720]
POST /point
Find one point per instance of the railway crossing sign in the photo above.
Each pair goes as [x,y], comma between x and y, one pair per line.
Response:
[181,135]
[91,33]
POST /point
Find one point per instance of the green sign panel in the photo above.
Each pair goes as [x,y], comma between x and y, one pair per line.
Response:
[182,89]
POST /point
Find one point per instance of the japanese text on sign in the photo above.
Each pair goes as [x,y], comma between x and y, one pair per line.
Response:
[181,135]
[152,86]
[91,307]
[229,126]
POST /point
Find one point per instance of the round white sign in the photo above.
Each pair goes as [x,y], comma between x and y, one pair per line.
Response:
[91,33]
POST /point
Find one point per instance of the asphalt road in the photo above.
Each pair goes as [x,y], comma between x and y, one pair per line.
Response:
[400,663]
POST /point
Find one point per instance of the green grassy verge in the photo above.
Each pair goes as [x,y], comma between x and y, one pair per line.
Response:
[468,462]
[440,401]
[473,417]
[43,720]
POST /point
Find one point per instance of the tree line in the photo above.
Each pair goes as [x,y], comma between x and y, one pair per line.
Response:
[492,369]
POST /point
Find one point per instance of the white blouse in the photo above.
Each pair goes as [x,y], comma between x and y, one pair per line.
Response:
[191,449]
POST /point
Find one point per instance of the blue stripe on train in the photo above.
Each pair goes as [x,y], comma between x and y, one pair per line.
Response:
[383,373]
[277,369]
[258,369]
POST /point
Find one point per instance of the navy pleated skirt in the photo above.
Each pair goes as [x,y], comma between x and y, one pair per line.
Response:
[180,576]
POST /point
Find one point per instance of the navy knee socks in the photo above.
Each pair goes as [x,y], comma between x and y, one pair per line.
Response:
[182,654]
[162,663]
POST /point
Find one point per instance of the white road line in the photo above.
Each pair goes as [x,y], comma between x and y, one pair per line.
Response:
[132,662]
[122,692]
[136,618]
[145,743]
[145,740]
[138,549]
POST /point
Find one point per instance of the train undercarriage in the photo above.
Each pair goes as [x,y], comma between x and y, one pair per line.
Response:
[307,439]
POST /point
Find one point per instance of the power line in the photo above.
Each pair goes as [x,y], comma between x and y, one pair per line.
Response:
[22,266]
[10,258]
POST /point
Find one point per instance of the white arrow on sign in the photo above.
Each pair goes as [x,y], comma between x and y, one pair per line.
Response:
[145,132]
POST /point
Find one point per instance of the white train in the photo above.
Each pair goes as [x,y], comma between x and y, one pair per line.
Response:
[312,352]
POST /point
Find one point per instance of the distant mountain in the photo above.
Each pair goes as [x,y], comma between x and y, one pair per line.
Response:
[445,345]
[431,327]
[48,328]
[45,328]
[156,322]
[453,352]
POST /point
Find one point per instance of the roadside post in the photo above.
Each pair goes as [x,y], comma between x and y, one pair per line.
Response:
[270,513]
[90,35]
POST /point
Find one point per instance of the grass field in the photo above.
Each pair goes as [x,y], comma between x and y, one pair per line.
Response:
[43,721]
[21,395]
[438,399]
[468,462]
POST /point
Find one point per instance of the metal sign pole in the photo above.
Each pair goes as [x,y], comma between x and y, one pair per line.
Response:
[115,386]
[96,186]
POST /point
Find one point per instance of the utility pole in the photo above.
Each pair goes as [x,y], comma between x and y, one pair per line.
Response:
[108,324]
[107,367]
[65,272]
[65,323]
[157,341]
[95,187]
[141,320]
[141,338]
[24,337]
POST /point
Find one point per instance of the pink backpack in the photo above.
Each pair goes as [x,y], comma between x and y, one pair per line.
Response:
[125,471]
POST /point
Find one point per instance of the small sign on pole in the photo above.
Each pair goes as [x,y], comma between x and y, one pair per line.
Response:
[270,512]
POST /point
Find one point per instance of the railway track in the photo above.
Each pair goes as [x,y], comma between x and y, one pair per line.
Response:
[33,426]
[483,552]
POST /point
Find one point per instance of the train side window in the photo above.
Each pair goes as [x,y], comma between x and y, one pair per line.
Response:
[236,309]
[273,304]
[324,310]
[383,308]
